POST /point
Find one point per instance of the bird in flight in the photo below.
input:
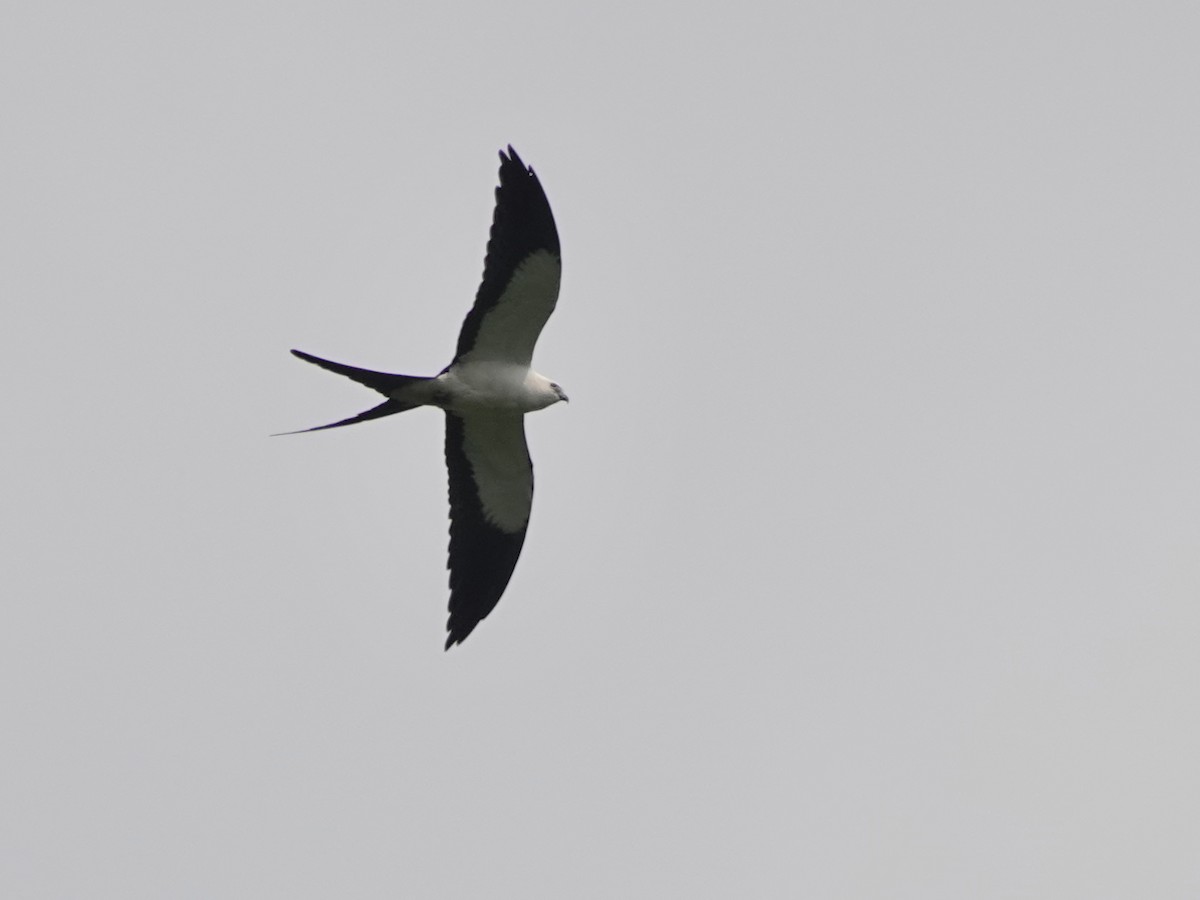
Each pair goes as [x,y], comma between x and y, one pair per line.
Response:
[485,392]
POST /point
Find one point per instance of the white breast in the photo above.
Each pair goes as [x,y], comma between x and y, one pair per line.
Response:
[473,386]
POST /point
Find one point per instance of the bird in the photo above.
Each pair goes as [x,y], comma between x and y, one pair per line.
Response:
[485,392]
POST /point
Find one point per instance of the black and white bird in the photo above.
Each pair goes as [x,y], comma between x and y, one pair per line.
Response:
[485,392]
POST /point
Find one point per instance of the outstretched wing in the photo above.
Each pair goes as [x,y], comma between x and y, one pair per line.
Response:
[491,492]
[520,275]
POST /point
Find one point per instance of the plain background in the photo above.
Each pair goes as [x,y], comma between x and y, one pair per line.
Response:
[863,562]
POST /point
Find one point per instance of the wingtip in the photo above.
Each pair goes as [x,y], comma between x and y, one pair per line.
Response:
[513,158]
[456,636]
[457,633]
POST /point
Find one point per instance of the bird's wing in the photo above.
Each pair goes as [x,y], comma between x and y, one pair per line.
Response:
[491,492]
[520,275]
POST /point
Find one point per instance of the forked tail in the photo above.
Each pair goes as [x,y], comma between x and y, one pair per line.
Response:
[397,389]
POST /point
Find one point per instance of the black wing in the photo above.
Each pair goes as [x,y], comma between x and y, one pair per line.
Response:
[520,275]
[491,493]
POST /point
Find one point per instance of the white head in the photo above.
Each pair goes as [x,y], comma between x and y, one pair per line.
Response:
[543,391]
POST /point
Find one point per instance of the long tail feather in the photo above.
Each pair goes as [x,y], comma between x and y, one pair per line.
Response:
[383,382]
[394,387]
[386,408]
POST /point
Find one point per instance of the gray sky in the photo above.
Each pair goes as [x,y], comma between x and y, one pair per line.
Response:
[863,562]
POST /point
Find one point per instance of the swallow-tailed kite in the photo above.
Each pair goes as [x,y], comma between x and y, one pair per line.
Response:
[485,392]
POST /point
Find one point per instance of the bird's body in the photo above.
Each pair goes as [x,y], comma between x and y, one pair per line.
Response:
[485,392]
[470,387]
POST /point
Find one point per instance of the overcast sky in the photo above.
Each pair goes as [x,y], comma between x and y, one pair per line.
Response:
[864,563]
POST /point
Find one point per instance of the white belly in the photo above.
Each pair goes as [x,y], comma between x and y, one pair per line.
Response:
[476,386]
